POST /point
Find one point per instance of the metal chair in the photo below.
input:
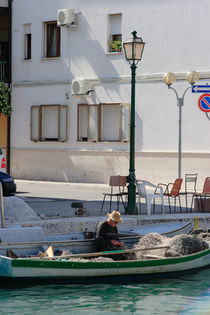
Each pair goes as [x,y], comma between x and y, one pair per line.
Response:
[172,190]
[190,187]
[149,191]
[203,195]
[118,185]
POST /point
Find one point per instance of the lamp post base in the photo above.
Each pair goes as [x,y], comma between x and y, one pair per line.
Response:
[131,207]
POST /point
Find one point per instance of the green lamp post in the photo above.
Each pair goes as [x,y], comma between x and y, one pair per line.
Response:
[133,49]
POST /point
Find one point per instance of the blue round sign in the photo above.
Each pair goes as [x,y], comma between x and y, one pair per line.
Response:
[204,102]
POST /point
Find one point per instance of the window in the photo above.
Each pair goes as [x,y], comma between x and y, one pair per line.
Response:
[49,123]
[27,41]
[103,122]
[115,33]
[52,40]
[4,68]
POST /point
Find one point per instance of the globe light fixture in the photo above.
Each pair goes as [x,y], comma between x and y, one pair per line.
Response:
[192,77]
[169,78]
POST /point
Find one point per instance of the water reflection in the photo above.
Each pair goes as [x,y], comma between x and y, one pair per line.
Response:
[175,295]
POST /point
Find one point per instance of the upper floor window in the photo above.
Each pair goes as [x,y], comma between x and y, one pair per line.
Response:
[4,68]
[49,123]
[115,33]
[27,41]
[52,40]
[103,122]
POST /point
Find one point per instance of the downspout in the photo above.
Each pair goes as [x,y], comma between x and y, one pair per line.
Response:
[9,82]
[2,206]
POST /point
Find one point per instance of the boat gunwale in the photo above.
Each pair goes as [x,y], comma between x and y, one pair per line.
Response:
[183,227]
[176,230]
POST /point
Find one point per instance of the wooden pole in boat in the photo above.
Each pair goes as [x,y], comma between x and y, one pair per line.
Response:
[114,252]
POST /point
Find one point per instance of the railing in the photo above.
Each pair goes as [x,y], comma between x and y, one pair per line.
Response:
[3,71]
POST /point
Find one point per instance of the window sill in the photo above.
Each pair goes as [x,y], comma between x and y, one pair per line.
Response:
[49,141]
[105,141]
[50,58]
[114,53]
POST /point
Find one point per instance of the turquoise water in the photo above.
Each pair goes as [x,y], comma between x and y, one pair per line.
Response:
[187,294]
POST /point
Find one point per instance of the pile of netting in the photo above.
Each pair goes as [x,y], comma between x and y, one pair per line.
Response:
[202,233]
[183,244]
[176,246]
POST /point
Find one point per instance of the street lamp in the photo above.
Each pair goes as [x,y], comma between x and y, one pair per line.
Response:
[169,78]
[133,49]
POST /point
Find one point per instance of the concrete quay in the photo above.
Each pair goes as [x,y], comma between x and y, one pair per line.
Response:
[51,201]
[61,226]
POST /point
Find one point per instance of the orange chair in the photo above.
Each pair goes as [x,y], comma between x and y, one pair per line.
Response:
[203,195]
[118,185]
[172,190]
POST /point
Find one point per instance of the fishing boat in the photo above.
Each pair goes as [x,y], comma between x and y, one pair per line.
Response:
[168,229]
[61,269]
[79,242]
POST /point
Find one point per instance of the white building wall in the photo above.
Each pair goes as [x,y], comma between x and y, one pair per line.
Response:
[175,36]
[3,3]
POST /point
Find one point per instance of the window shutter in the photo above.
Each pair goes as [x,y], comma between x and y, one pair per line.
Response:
[35,115]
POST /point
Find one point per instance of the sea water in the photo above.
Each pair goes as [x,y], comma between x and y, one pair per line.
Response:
[184,294]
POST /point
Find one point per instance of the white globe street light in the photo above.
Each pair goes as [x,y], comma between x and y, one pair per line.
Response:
[169,78]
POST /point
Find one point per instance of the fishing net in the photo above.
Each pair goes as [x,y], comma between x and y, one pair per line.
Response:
[205,236]
[77,259]
[100,258]
[183,244]
[151,240]
[202,233]
[180,245]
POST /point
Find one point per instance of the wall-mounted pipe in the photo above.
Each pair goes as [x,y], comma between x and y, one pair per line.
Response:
[2,206]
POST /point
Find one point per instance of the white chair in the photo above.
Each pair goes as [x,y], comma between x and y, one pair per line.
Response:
[149,191]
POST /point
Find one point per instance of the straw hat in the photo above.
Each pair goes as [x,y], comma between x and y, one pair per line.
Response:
[115,216]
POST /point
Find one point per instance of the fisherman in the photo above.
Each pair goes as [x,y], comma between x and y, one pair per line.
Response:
[107,235]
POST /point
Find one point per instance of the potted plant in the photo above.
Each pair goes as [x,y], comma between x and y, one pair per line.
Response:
[5,107]
[116,46]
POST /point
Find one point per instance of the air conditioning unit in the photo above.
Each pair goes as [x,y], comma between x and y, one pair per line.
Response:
[80,87]
[66,17]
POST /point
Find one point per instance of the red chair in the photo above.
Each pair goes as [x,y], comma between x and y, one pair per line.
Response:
[203,195]
[172,190]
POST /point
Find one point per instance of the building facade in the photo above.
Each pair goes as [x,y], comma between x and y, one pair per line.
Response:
[5,71]
[71,89]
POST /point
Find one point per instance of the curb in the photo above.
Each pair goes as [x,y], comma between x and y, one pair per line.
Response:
[67,184]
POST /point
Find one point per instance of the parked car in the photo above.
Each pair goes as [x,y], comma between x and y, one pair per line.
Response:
[8,184]
[2,161]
